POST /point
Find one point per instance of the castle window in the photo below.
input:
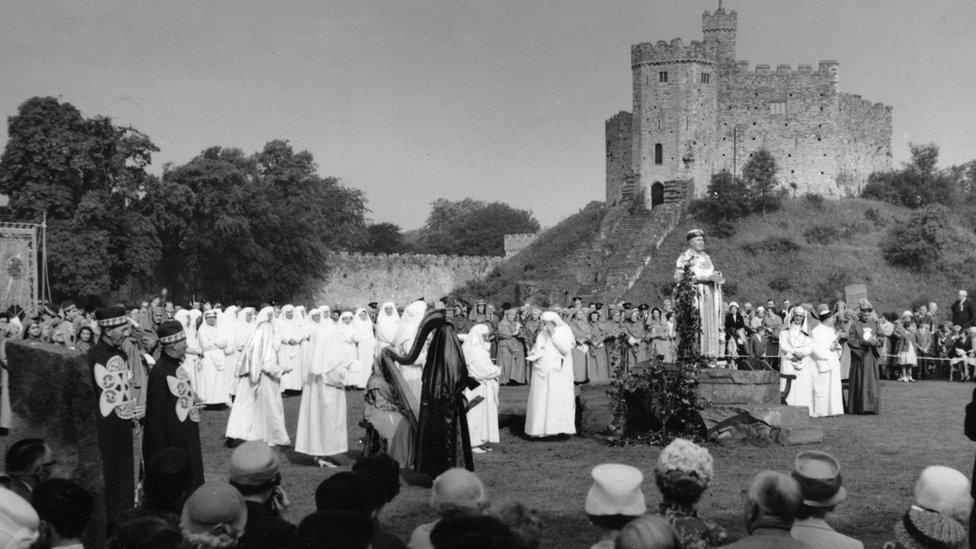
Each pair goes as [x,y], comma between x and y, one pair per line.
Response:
[777,108]
[658,154]
[662,76]
[704,77]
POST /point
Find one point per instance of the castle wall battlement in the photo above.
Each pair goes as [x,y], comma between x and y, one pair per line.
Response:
[826,69]
[675,51]
[721,20]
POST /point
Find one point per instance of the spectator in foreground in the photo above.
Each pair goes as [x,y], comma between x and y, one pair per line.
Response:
[649,532]
[683,472]
[346,529]
[525,523]
[213,517]
[819,476]
[28,462]
[473,532]
[67,508]
[19,522]
[770,509]
[455,492]
[381,474]
[615,498]
[145,532]
[935,519]
[254,472]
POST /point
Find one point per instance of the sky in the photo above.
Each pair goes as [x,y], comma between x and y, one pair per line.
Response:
[412,101]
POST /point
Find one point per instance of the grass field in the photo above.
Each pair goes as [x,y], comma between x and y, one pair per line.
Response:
[921,424]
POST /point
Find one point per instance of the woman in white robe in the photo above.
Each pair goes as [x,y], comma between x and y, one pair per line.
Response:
[258,412]
[827,397]
[212,386]
[228,330]
[795,350]
[362,325]
[387,326]
[345,345]
[552,400]
[483,417]
[413,315]
[304,349]
[321,431]
[289,354]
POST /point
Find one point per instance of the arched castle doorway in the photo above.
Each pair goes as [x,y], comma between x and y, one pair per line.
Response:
[657,194]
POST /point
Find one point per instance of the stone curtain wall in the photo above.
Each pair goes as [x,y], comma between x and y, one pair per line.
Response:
[618,133]
[357,279]
[515,243]
[864,136]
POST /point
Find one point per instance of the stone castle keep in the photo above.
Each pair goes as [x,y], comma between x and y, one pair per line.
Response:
[698,111]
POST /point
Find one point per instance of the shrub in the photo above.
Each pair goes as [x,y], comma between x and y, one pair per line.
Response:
[876,216]
[637,203]
[813,200]
[781,283]
[831,287]
[918,243]
[772,245]
[722,229]
[822,234]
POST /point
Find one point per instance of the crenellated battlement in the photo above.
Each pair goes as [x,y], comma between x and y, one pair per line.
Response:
[675,51]
[721,20]
[827,68]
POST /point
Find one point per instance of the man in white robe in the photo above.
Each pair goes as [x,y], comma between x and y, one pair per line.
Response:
[362,326]
[387,326]
[258,412]
[413,315]
[289,354]
[212,380]
[795,349]
[552,400]
[483,417]
[827,398]
[321,430]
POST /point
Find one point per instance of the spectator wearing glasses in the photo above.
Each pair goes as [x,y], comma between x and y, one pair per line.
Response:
[28,463]
[864,343]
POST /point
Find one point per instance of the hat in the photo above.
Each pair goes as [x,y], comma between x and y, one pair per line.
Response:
[819,476]
[373,305]
[923,528]
[50,311]
[253,463]
[864,304]
[577,298]
[18,520]
[823,309]
[616,490]
[171,331]
[643,307]
[944,490]
[627,305]
[956,327]
[685,455]
[598,306]
[457,488]
[506,305]
[695,233]
[733,304]
[212,505]
[110,317]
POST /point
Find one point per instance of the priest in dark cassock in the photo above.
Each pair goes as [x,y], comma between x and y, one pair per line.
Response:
[862,338]
[116,412]
[172,406]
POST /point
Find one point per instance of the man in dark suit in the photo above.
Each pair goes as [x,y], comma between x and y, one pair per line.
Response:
[771,504]
[963,311]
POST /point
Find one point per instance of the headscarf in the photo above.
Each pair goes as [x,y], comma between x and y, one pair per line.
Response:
[323,335]
[476,350]
[550,316]
[413,316]
[261,350]
[346,331]
[798,311]
[387,326]
[363,328]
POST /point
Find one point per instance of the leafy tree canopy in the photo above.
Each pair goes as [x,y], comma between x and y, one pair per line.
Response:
[384,238]
[919,183]
[472,227]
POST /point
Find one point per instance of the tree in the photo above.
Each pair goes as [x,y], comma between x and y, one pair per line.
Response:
[472,227]
[759,174]
[384,238]
[919,243]
[919,183]
[88,176]
[726,199]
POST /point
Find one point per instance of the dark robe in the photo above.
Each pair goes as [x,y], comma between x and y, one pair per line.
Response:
[635,352]
[442,430]
[113,425]
[970,429]
[171,418]
[511,353]
[865,397]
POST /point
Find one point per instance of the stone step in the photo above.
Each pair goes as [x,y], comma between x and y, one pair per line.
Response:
[808,434]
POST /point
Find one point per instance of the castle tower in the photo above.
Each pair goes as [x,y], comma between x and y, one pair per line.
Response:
[675,113]
[718,29]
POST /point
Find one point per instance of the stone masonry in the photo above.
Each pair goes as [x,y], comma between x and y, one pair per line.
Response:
[698,111]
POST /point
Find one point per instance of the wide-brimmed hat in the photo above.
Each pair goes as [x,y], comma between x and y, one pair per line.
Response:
[616,490]
[920,528]
[944,490]
[819,476]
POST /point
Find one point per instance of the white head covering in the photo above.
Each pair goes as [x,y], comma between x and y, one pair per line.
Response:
[476,349]
[550,316]
[797,311]
[261,349]
[413,315]
[18,521]
[363,328]
[387,326]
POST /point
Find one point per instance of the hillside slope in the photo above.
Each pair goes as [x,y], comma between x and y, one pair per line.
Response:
[781,256]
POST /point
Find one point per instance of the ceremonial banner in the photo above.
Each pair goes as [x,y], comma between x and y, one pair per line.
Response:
[18,266]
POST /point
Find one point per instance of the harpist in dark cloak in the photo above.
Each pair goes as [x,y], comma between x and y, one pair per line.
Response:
[432,435]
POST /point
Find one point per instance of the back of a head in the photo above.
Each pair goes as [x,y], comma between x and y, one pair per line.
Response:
[467,531]
[169,476]
[524,522]
[344,491]
[23,453]
[945,491]
[776,494]
[382,475]
[344,529]
[148,532]
[457,490]
[65,505]
[648,532]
